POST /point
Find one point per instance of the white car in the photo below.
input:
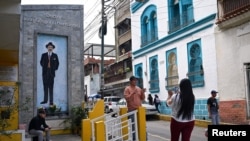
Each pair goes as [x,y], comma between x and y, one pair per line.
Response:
[110,102]
[150,109]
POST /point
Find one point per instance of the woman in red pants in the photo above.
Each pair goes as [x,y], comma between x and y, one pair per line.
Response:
[182,105]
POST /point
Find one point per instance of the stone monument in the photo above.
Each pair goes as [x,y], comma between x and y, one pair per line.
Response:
[59,85]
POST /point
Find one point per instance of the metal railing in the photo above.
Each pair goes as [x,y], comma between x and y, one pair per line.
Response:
[230,6]
[180,21]
[148,38]
[115,125]
[93,125]
[99,126]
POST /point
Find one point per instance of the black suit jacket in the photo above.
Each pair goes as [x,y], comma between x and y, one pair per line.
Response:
[54,63]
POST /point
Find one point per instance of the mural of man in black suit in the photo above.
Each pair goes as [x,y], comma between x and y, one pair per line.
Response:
[50,63]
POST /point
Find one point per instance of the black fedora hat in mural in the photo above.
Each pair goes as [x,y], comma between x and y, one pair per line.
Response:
[50,44]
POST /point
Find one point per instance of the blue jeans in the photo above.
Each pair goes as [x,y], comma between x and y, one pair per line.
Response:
[215,119]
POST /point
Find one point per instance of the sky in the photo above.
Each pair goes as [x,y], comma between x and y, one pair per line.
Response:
[89,15]
[54,1]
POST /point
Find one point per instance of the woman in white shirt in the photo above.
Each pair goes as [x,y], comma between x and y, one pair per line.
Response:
[182,105]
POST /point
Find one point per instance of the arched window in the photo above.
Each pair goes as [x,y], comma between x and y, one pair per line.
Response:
[195,67]
[154,75]
[144,30]
[172,78]
[149,32]
[140,79]
[180,13]
[139,75]
[153,27]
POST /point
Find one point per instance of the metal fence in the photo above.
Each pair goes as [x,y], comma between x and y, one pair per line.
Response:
[116,125]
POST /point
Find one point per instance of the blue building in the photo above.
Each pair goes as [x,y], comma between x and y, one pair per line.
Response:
[171,40]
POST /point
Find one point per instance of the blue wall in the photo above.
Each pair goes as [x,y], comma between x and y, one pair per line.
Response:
[200,109]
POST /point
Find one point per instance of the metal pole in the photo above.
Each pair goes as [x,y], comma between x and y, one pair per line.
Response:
[102,51]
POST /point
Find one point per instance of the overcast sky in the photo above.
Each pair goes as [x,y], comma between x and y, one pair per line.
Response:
[88,5]
[54,1]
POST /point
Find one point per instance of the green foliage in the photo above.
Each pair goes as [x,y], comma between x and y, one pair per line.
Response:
[52,108]
[120,71]
[77,113]
[10,106]
[128,69]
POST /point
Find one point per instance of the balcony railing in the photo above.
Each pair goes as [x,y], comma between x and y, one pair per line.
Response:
[117,77]
[180,21]
[148,38]
[231,8]
[154,86]
[172,82]
[124,37]
[114,78]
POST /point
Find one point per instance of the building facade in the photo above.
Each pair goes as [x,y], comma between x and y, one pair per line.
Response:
[116,75]
[233,60]
[172,40]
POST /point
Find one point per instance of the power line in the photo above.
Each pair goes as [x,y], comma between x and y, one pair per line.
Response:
[92,28]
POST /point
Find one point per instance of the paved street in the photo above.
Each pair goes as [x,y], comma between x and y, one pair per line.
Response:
[159,130]
[69,137]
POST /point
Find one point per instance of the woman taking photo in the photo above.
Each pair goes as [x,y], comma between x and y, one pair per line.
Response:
[182,105]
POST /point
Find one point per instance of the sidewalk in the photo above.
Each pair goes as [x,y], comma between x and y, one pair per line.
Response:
[68,137]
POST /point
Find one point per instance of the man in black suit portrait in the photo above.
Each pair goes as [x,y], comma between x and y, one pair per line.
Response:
[49,62]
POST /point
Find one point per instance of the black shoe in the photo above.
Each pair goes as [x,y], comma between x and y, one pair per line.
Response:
[51,103]
[43,102]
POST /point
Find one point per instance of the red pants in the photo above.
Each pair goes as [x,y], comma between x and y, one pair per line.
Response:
[183,128]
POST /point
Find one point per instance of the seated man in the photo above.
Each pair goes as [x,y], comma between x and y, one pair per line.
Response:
[38,125]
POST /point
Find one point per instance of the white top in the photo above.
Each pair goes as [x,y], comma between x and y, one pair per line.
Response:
[49,53]
[175,108]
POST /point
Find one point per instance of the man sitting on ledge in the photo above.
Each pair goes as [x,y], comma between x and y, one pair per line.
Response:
[38,126]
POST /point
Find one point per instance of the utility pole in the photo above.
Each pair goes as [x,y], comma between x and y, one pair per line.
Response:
[102,51]
[103,31]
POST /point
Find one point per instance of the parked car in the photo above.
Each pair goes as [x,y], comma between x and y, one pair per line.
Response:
[150,109]
[110,102]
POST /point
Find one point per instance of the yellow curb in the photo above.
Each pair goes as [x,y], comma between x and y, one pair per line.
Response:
[60,131]
[200,123]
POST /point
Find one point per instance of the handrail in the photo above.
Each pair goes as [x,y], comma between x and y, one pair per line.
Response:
[118,125]
[104,117]
[122,127]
